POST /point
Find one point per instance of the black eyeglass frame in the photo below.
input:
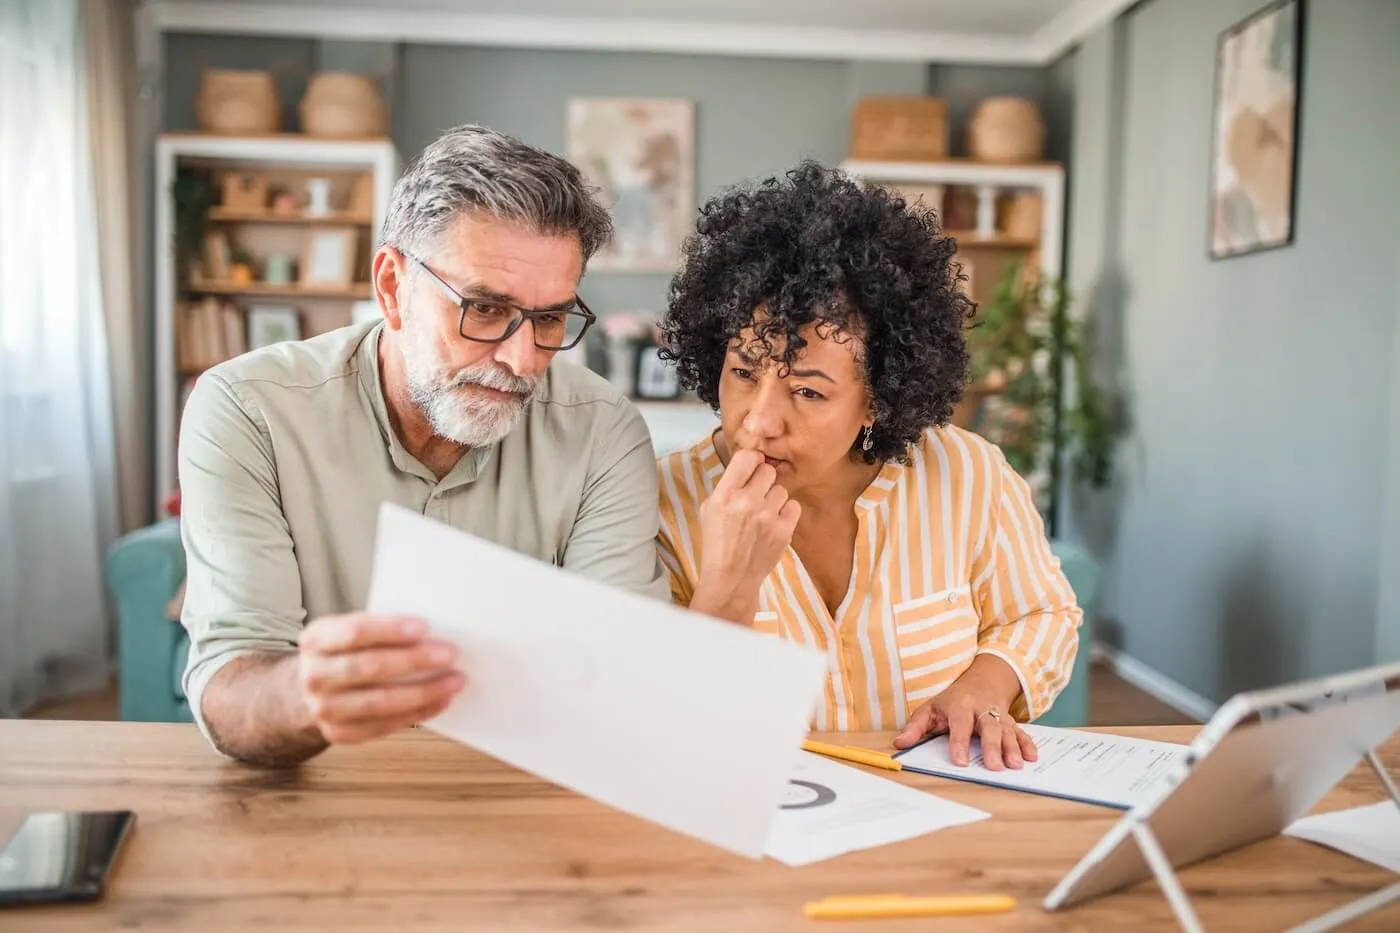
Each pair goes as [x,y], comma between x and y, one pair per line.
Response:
[521,314]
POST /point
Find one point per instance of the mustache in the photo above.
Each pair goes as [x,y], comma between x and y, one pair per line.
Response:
[495,377]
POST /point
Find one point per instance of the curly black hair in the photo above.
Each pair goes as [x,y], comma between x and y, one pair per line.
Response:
[816,247]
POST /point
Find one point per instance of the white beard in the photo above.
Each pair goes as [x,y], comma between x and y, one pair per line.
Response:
[453,410]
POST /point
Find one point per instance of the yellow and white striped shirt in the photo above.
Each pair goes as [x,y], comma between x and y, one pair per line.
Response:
[951,561]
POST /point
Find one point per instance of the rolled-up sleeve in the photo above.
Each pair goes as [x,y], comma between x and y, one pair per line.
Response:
[242,589]
[1029,615]
[613,539]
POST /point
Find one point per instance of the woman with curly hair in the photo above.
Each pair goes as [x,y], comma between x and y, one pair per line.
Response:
[835,505]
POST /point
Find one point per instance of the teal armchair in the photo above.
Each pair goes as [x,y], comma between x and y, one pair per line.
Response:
[143,570]
[1071,708]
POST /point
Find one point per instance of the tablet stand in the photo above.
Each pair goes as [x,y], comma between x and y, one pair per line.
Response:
[1181,904]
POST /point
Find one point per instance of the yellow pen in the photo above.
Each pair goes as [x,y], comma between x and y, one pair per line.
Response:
[877,906]
[859,755]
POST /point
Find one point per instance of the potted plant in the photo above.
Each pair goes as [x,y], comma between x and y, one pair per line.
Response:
[193,194]
[1042,406]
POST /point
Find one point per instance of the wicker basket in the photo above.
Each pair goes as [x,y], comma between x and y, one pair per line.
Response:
[904,129]
[343,105]
[1006,129]
[237,102]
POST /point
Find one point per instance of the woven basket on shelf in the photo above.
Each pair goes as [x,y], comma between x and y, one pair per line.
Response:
[237,102]
[344,105]
[1006,129]
[898,129]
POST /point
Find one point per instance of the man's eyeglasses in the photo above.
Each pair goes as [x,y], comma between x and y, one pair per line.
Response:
[488,320]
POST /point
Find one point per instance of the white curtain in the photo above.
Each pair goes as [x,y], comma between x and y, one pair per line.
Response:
[113,127]
[57,485]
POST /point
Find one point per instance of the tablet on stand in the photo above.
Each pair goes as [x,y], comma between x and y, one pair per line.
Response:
[1264,760]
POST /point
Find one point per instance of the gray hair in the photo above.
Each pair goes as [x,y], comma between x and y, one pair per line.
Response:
[475,170]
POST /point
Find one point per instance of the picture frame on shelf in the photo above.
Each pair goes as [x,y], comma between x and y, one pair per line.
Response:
[657,379]
[1254,145]
[328,260]
[269,324]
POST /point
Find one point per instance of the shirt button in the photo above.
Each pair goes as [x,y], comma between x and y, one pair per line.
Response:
[952,597]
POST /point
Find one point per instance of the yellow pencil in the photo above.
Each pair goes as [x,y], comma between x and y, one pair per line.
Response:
[859,755]
[876,906]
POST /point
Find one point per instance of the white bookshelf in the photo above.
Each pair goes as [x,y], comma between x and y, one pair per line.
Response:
[990,181]
[274,153]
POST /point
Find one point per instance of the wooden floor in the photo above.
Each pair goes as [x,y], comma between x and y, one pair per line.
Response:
[1112,702]
[1115,702]
[96,706]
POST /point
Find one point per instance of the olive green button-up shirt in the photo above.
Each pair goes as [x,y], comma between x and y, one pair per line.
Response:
[286,453]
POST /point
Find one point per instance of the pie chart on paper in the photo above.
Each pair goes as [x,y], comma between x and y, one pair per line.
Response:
[804,795]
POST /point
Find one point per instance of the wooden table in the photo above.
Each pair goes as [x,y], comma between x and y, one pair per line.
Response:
[419,833]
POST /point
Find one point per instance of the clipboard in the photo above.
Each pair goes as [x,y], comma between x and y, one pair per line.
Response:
[1264,760]
[1124,771]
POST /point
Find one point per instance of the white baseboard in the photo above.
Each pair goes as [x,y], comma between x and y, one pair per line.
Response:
[1155,683]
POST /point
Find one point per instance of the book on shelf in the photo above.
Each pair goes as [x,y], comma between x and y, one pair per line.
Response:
[211,331]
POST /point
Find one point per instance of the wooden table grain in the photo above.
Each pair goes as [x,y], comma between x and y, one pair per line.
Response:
[416,832]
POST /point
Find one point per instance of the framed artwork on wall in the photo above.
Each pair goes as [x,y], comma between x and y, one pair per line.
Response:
[640,152]
[1254,158]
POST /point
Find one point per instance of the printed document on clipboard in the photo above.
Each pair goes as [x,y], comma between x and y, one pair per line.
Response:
[1090,767]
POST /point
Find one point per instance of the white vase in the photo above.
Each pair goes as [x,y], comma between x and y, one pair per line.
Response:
[318,195]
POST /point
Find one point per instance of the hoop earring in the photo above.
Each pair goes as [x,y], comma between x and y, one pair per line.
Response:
[869,441]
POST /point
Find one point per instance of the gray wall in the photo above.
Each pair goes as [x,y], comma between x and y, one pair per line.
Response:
[753,116]
[1243,542]
[1388,621]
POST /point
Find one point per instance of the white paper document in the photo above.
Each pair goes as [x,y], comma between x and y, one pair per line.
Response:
[830,809]
[680,719]
[1369,833]
[1092,767]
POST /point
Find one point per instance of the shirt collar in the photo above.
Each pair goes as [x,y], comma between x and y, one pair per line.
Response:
[372,384]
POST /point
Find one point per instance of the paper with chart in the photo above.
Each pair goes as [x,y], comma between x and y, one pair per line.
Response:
[668,715]
[1093,767]
[1370,833]
[830,809]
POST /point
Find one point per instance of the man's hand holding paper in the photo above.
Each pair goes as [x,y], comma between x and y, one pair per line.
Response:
[363,676]
[639,723]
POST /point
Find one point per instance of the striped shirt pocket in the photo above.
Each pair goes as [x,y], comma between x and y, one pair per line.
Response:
[937,640]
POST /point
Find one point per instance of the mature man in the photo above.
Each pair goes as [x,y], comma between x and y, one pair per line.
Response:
[450,406]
